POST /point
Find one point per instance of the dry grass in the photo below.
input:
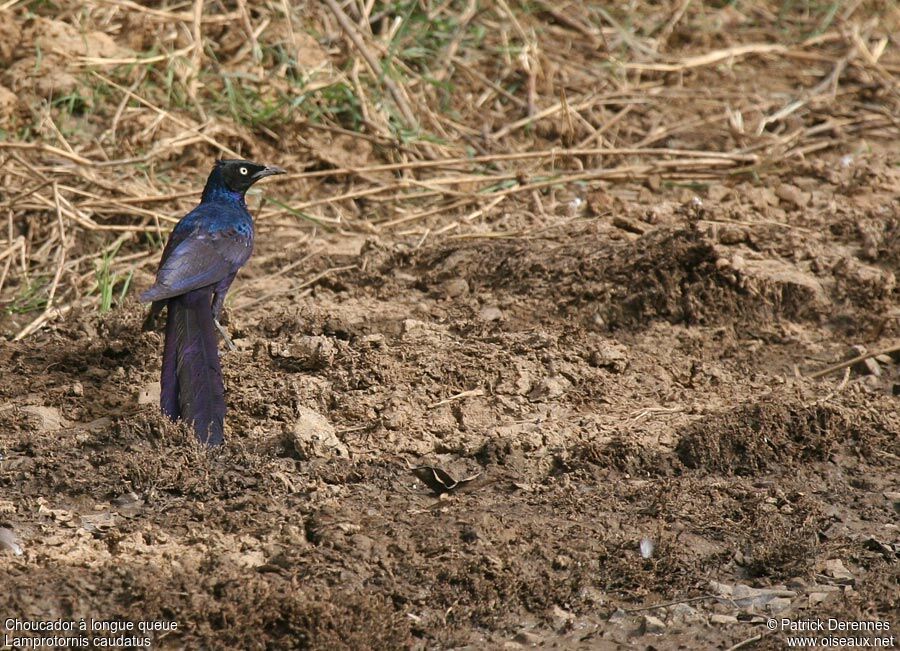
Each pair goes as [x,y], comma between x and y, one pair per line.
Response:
[411,119]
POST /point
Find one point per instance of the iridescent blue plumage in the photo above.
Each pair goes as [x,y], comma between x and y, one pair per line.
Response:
[204,253]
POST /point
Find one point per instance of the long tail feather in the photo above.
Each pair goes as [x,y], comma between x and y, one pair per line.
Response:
[168,395]
[191,385]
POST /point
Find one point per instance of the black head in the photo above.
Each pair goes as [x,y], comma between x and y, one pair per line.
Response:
[239,175]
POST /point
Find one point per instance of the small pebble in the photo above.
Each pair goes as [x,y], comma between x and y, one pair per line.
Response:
[490,313]
[652,625]
[722,619]
[793,195]
[9,541]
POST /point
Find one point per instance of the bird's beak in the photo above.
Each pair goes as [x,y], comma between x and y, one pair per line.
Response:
[271,170]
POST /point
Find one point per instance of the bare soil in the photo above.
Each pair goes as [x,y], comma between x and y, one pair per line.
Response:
[606,387]
[618,369]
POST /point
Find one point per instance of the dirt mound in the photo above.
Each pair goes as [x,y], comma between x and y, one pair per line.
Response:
[759,437]
[679,274]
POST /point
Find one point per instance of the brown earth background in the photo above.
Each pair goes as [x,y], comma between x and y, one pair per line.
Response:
[584,255]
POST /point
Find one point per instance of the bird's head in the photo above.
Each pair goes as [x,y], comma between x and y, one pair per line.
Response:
[239,175]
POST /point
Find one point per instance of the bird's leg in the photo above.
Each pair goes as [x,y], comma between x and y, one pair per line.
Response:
[150,321]
[217,305]
[224,333]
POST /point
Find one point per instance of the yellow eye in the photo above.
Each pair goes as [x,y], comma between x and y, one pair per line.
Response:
[244,171]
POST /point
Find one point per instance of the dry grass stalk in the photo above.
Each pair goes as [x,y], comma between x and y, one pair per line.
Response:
[371,61]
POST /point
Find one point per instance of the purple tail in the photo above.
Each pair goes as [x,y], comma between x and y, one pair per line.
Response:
[191,386]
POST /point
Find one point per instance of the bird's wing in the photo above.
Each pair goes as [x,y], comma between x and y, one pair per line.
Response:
[199,260]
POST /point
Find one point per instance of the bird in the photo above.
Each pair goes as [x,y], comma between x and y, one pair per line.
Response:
[201,258]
